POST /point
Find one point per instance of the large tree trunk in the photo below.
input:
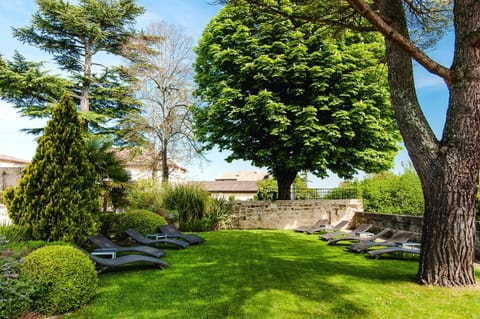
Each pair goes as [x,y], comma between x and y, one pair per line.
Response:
[448,169]
[285,178]
[87,73]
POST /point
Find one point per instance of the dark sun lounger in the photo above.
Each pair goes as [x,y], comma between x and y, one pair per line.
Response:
[358,237]
[135,235]
[406,248]
[318,223]
[400,236]
[172,232]
[103,263]
[359,229]
[103,242]
[328,228]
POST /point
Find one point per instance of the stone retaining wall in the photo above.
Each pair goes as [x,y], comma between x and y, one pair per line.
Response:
[397,222]
[287,214]
[9,177]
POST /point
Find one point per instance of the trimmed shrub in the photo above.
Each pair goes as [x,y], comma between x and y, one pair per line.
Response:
[67,275]
[144,221]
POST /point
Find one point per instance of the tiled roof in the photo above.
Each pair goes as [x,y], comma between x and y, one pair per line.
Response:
[11,159]
[244,176]
[230,186]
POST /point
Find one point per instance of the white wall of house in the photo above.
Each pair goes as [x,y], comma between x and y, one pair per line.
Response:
[4,220]
[142,172]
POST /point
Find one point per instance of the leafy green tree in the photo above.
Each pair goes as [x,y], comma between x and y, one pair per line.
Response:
[448,167]
[290,96]
[57,196]
[389,193]
[75,35]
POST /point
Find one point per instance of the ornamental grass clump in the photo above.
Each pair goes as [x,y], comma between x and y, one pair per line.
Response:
[66,276]
[190,201]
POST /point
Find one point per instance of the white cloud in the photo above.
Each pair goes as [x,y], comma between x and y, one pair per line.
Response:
[429,81]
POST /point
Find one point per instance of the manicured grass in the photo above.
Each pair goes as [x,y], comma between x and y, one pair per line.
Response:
[274,274]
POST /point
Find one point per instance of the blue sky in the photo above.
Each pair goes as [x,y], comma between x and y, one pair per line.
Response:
[192,16]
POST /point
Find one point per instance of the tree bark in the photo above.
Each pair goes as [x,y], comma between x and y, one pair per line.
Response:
[285,178]
[448,169]
[87,73]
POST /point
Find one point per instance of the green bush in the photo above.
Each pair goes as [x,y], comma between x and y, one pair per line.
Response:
[67,275]
[145,194]
[190,201]
[109,223]
[15,293]
[388,193]
[144,221]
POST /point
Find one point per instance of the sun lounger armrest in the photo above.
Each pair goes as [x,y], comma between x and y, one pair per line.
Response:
[156,236]
[363,234]
[410,245]
[105,252]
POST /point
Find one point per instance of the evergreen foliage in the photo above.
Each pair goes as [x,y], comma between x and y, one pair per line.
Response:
[74,34]
[112,177]
[57,196]
[145,194]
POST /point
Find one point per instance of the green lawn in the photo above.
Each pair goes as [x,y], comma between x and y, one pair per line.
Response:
[274,274]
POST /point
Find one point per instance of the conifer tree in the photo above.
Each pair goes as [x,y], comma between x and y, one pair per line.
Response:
[57,197]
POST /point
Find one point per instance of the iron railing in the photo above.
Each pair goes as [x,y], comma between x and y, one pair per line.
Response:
[310,193]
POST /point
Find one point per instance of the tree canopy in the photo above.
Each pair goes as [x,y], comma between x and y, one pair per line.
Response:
[292,96]
[75,35]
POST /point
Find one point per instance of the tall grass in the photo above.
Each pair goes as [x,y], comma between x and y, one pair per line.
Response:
[275,274]
[13,234]
[190,201]
[218,212]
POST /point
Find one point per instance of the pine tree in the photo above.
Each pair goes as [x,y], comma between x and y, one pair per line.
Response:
[57,197]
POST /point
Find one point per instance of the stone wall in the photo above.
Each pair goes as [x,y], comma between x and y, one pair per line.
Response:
[287,214]
[9,176]
[397,222]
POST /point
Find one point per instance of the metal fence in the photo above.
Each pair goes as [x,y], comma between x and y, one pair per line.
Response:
[310,193]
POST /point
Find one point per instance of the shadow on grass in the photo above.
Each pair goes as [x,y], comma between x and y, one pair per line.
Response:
[248,274]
